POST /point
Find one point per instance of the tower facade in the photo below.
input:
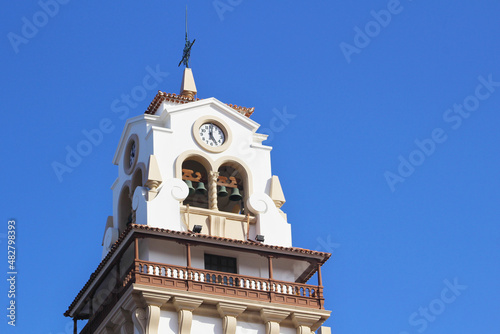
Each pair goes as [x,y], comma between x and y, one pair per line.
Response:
[198,242]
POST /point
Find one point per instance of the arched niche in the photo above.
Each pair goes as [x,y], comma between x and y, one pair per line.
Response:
[137,179]
[124,208]
[235,176]
[195,174]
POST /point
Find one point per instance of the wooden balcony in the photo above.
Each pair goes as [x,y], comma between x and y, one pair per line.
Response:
[123,268]
[227,285]
[210,282]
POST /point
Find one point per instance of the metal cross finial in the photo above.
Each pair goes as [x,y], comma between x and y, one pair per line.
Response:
[187,47]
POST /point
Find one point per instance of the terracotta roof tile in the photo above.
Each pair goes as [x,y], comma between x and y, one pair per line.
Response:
[181,99]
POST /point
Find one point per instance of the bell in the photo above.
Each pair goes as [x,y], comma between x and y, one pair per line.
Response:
[201,190]
[190,187]
[235,195]
[222,191]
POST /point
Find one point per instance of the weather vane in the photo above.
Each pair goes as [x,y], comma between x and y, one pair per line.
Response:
[187,47]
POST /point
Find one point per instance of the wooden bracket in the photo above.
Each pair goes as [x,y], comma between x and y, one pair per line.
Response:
[223,181]
[187,174]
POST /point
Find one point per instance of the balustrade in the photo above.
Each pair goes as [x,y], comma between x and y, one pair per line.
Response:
[228,280]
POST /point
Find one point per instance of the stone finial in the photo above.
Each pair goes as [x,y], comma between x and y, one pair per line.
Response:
[153,177]
[276,193]
[188,87]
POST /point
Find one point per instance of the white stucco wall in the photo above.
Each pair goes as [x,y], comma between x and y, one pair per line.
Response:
[169,136]
[168,323]
[248,264]
[206,325]
[167,252]
[287,330]
[250,328]
[289,270]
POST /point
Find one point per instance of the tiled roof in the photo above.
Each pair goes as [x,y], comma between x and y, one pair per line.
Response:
[296,250]
[162,96]
[139,227]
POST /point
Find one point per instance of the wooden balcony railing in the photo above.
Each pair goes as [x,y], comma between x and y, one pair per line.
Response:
[226,284]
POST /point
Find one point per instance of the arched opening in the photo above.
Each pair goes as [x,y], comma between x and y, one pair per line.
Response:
[136,180]
[231,188]
[124,209]
[196,177]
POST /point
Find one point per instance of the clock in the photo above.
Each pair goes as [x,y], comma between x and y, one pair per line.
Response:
[211,134]
[130,154]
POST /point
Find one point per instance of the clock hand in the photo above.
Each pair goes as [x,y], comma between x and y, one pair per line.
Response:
[211,132]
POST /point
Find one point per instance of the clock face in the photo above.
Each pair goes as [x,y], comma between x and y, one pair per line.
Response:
[212,135]
[132,153]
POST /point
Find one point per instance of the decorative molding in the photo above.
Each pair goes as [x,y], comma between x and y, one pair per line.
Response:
[140,318]
[272,327]
[196,155]
[185,308]
[272,318]
[242,168]
[230,309]
[147,315]
[273,315]
[229,324]
[155,299]
[153,319]
[303,330]
[221,124]
[227,215]
[126,163]
[276,192]
[303,322]
[229,313]
[153,178]
[182,303]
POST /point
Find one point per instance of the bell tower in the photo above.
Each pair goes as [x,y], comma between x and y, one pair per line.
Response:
[197,242]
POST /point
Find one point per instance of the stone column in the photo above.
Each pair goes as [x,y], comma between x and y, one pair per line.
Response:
[229,313]
[272,319]
[304,322]
[212,190]
[185,308]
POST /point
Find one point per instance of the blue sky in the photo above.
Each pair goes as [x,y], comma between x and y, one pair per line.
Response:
[389,157]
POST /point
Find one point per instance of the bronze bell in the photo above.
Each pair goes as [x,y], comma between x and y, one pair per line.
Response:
[190,187]
[201,190]
[235,195]
[222,192]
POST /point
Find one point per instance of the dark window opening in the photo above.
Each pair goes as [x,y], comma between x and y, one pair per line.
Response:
[198,193]
[220,263]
